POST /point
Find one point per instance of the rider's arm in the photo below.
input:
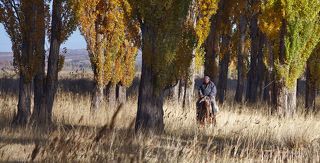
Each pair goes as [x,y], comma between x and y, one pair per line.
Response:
[200,92]
[213,92]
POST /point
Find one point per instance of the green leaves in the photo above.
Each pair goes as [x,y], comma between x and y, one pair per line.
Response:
[301,37]
[172,31]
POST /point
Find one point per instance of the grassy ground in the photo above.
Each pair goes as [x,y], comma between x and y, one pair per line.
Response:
[243,134]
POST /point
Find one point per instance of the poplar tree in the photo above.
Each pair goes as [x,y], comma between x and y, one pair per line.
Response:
[190,50]
[312,79]
[164,32]
[225,49]
[23,21]
[294,27]
[255,76]
[240,14]
[112,38]
[59,28]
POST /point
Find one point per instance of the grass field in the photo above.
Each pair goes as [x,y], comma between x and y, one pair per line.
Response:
[243,133]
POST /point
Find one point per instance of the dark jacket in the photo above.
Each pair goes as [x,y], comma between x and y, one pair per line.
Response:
[208,89]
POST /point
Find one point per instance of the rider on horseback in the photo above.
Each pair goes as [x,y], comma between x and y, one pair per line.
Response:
[208,89]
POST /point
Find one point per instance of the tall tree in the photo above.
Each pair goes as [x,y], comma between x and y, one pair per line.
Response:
[255,73]
[226,34]
[23,23]
[63,23]
[163,26]
[112,38]
[212,48]
[38,81]
[242,28]
[312,79]
[224,66]
[295,27]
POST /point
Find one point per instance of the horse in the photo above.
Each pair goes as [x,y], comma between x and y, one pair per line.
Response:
[204,112]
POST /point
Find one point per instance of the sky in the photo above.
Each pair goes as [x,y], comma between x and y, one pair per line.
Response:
[76,41]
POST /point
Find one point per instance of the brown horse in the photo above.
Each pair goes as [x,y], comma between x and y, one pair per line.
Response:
[204,112]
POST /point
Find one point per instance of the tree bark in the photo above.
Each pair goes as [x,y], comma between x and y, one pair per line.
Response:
[224,69]
[24,104]
[27,65]
[252,83]
[121,93]
[311,92]
[212,49]
[38,115]
[282,99]
[174,93]
[269,92]
[211,52]
[181,91]
[189,86]
[150,101]
[286,100]
[98,72]
[53,61]
[97,97]
[240,56]
[292,100]
[283,106]
[111,95]
[261,67]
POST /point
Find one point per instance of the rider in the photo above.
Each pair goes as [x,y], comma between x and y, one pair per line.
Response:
[209,89]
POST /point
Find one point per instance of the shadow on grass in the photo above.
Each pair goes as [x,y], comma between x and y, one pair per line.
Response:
[82,86]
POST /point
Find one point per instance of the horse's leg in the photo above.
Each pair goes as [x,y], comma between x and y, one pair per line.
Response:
[208,115]
[214,120]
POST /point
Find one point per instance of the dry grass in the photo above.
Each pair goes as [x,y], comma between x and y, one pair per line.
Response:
[243,134]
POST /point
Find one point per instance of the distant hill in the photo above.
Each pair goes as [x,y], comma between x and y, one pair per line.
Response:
[74,59]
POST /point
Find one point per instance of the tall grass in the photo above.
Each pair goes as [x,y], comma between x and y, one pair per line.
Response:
[242,134]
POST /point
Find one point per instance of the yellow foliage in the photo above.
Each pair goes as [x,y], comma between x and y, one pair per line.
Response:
[110,32]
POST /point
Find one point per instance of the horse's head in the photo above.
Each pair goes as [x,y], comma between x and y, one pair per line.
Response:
[206,101]
[204,113]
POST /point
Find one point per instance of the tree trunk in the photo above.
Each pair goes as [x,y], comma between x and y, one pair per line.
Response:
[111,95]
[224,69]
[252,84]
[286,100]
[27,64]
[38,115]
[240,66]
[212,46]
[52,80]
[311,92]
[97,97]
[174,93]
[282,90]
[24,104]
[292,100]
[53,61]
[189,86]
[261,67]
[121,93]
[282,99]
[98,72]
[270,88]
[267,96]
[150,101]
[211,52]
[267,88]
[181,91]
